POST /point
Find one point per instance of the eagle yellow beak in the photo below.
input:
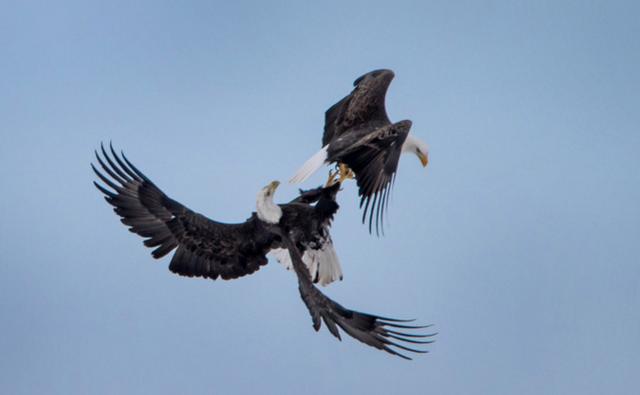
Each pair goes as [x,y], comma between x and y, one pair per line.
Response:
[273,186]
[424,158]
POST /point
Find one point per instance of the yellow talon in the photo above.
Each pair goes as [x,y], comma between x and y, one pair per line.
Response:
[345,173]
[332,178]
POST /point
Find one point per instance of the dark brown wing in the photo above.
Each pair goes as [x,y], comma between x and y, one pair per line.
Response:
[205,248]
[374,160]
[386,334]
[311,196]
[366,103]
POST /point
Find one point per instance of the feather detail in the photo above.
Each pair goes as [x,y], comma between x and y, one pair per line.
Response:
[323,264]
[310,166]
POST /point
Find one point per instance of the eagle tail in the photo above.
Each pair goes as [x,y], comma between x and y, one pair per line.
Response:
[323,264]
[328,266]
[310,166]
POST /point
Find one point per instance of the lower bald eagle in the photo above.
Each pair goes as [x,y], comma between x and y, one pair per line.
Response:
[211,249]
[362,141]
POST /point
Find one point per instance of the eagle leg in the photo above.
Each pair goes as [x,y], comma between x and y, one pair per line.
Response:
[345,173]
[332,178]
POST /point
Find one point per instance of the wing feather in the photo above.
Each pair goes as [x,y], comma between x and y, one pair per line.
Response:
[205,248]
[368,328]
[365,103]
[374,160]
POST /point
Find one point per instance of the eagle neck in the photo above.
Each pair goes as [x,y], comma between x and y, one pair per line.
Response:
[266,209]
[410,144]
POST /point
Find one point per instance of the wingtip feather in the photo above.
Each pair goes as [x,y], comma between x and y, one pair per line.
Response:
[310,166]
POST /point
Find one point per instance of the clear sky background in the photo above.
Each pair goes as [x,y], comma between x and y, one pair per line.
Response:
[520,242]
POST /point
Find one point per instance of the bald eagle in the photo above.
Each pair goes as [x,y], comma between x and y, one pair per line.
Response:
[210,249]
[359,136]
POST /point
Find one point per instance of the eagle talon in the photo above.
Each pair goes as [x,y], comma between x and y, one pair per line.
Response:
[332,178]
[345,173]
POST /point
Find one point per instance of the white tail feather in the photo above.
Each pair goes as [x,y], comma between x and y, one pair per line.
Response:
[282,256]
[323,264]
[329,269]
[310,166]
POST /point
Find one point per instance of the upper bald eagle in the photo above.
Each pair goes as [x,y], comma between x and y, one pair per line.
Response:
[359,134]
[210,249]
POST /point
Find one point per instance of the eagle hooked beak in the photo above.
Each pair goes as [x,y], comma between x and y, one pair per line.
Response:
[424,158]
[273,186]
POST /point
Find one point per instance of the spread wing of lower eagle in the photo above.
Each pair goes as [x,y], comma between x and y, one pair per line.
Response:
[204,248]
[386,334]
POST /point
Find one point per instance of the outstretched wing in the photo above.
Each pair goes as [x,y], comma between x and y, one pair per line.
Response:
[366,103]
[374,160]
[205,248]
[386,334]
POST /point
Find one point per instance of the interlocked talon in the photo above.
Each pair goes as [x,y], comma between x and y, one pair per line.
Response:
[345,173]
[332,178]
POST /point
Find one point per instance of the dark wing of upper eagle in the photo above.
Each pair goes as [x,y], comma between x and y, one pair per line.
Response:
[374,160]
[386,334]
[205,248]
[366,103]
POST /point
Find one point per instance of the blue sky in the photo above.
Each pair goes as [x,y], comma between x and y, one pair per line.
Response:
[519,242]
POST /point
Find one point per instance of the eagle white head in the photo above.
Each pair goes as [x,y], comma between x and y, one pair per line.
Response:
[266,209]
[417,147]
